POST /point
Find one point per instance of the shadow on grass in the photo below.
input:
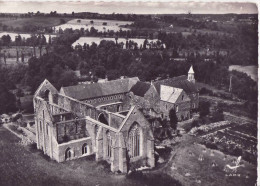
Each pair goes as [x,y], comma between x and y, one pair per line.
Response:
[153,179]
[33,149]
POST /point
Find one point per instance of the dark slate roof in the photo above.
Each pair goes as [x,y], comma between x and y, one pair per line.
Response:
[178,82]
[87,91]
[140,88]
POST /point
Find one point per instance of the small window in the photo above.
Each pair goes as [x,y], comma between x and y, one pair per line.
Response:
[182,97]
[177,108]
[109,145]
[68,153]
[166,106]
[84,149]
[47,132]
[40,126]
[76,127]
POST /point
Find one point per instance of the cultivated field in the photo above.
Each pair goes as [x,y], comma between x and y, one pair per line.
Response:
[34,21]
[234,139]
[11,52]
[100,25]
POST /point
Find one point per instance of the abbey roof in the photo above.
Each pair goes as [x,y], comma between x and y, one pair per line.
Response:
[88,91]
[177,82]
[140,88]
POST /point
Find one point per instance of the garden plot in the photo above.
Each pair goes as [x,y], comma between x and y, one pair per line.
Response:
[195,164]
[239,140]
[98,24]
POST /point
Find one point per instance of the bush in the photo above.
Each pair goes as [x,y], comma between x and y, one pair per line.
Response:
[204,108]
[236,152]
[211,146]
[195,123]
[205,91]
[23,124]
[105,165]
[217,116]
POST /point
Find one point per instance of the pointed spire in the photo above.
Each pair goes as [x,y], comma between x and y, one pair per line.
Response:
[191,75]
[191,71]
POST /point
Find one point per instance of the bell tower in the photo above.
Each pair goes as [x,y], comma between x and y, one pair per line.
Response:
[191,75]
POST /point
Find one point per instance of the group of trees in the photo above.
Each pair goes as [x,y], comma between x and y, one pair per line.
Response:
[148,63]
[34,40]
[8,78]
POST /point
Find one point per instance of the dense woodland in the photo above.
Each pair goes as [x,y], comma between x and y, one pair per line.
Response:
[148,63]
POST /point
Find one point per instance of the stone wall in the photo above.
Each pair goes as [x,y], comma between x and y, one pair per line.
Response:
[194,100]
[147,140]
[116,120]
[70,130]
[76,147]
[105,99]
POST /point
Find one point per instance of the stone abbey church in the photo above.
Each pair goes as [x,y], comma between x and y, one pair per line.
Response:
[107,119]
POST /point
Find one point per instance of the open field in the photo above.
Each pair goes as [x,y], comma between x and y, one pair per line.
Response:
[186,167]
[100,25]
[34,21]
[11,53]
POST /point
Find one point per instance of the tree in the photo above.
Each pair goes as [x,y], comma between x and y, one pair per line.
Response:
[62,21]
[173,119]
[218,115]
[204,108]
[7,100]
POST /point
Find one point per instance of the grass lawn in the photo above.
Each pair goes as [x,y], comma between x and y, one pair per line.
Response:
[36,21]
[185,167]
[23,166]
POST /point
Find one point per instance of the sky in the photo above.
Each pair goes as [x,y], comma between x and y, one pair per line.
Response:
[137,7]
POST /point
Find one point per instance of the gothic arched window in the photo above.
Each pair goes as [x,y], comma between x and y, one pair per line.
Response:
[68,153]
[109,144]
[135,141]
[84,148]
